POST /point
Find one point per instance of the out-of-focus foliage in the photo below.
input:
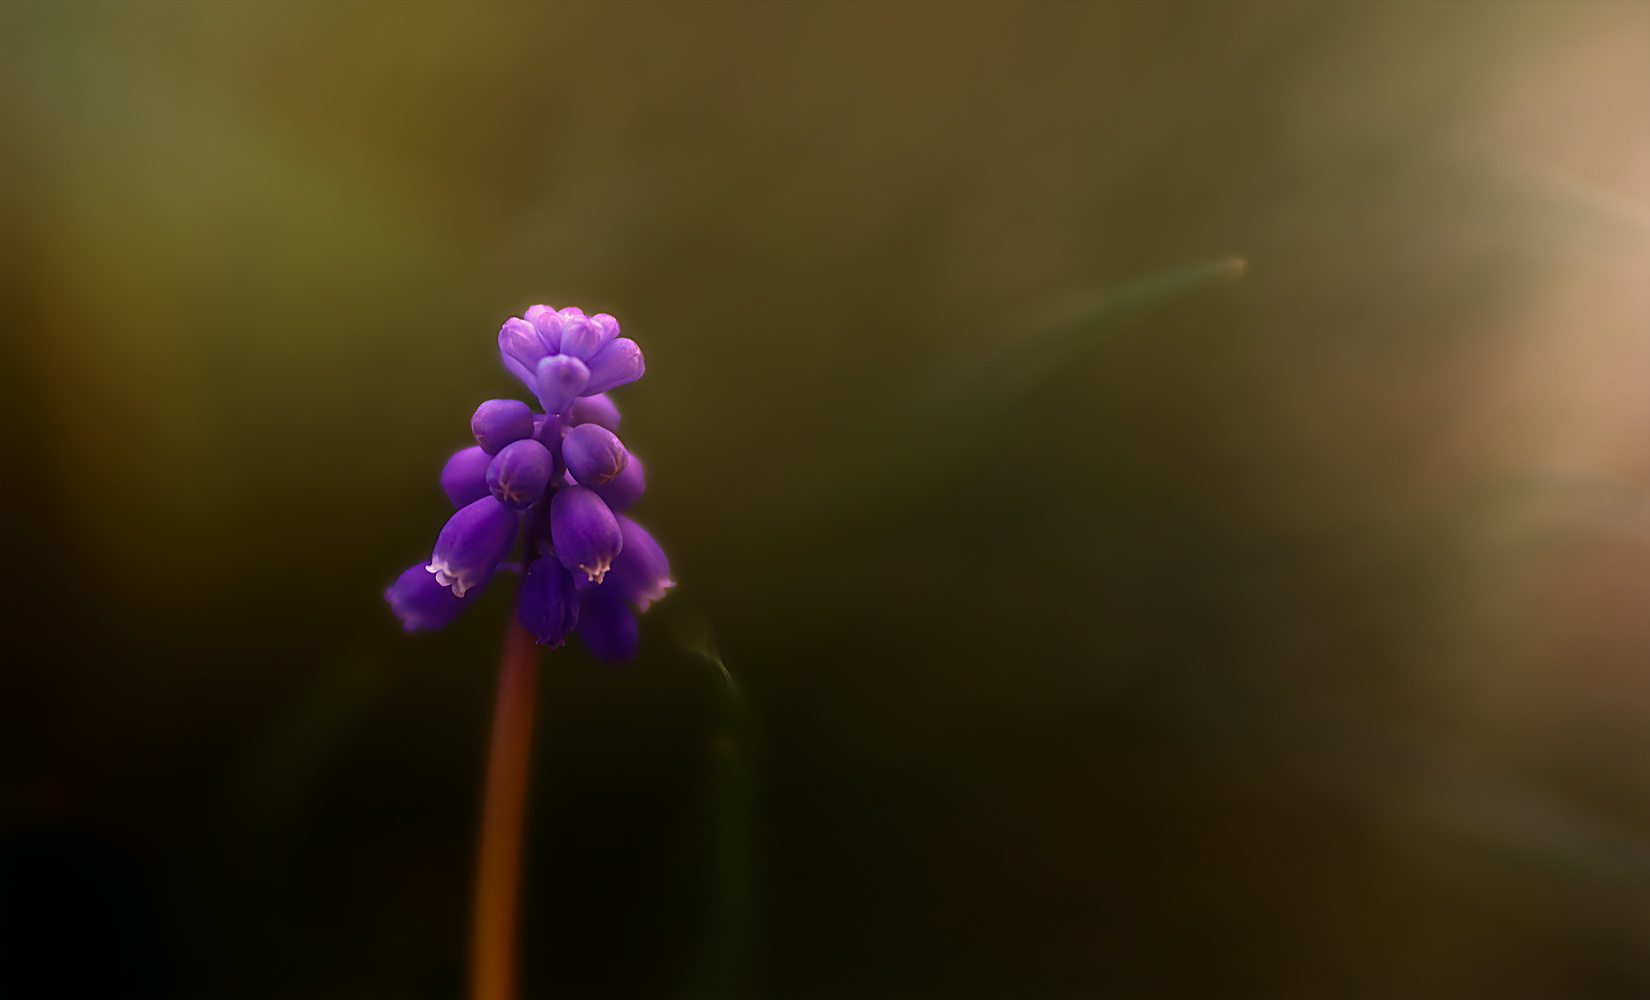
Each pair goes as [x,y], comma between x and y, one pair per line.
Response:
[1101,623]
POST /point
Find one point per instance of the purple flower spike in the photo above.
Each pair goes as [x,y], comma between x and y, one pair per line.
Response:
[606,625]
[593,455]
[584,532]
[498,422]
[640,573]
[472,543]
[596,409]
[421,602]
[519,473]
[625,488]
[465,478]
[548,323]
[561,477]
[520,346]
[560,380]
[549,602]
[619,363]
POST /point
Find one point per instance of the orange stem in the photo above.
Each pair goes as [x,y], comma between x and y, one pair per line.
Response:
[498,865]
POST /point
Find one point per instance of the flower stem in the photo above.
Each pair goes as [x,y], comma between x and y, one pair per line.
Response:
[498,864]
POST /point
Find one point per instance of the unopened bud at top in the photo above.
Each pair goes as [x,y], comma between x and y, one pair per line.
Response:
[521,347]
[610,330]
[619,363]
[548,323]
[560,380]
[580,336]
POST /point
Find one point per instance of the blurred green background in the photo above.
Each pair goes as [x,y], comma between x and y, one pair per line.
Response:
[1104,623]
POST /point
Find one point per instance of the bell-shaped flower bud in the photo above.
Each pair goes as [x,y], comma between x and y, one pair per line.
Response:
[610,330]
[596,409]
[464,479]
[593,454]
[548,323]
[498,422]
[580,336]
[560,381]
[522,349]
[616,364]
[584,532]
[606,625]
[640,572]
[625,488]
[519,474]
[549,605]
[420,601]
[472,543]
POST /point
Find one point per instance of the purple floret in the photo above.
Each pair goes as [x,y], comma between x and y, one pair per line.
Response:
[584,532]
[640,572]
[580,337]
[472,544]
[619,363]
[420,601]
[465,477]
[520,473]
[597,409]
[521,347]
[624,489]
[549,601]
[560,381]
[548,324]
[499,422]
[593,454]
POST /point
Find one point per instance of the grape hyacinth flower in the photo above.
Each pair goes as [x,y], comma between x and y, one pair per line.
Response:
[558,480]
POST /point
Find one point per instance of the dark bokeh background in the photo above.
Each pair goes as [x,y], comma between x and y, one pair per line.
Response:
[1104,621]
